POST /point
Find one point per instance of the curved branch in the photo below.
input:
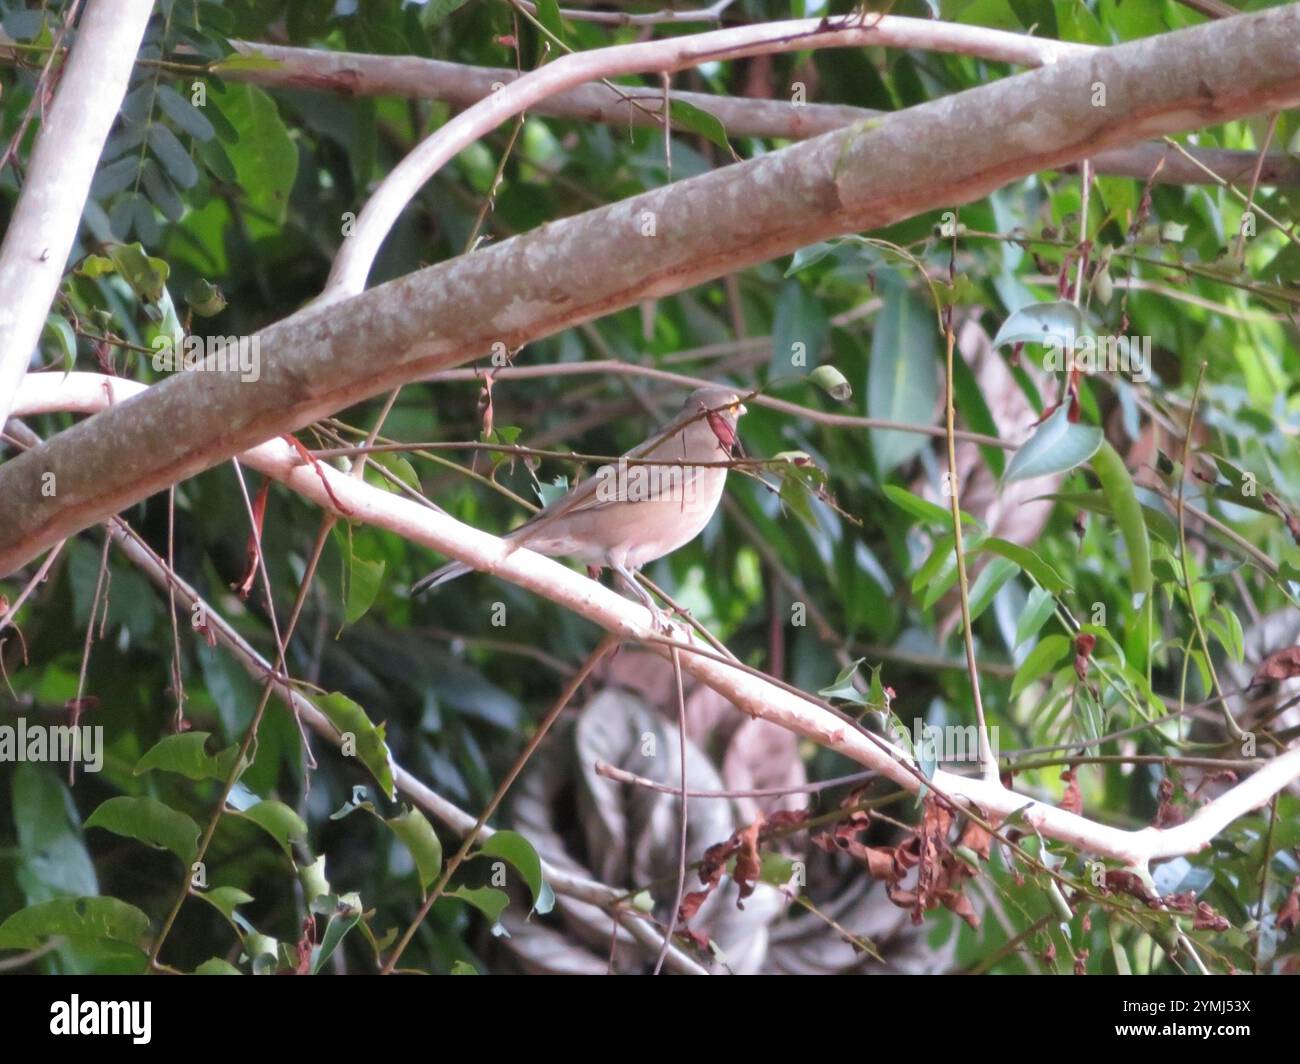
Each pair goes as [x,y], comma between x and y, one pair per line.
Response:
[44,223]
[325,486]
[937,155]
[404,181]
[462,85]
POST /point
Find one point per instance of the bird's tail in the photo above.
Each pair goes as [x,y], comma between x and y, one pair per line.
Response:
[440,576]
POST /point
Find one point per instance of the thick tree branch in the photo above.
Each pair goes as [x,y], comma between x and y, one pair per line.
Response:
[358,74]
[402,183]
[44,223]
[938,155]
[45,392]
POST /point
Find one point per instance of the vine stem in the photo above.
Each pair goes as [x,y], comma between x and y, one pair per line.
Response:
[683,794]
[602,648]
[988,764]
[1233,728]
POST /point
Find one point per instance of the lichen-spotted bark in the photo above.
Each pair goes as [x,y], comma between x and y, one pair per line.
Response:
[937,155]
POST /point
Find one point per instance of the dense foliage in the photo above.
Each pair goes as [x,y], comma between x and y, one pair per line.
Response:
[1096,611]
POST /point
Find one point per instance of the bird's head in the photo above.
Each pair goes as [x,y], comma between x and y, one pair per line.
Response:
[721,408]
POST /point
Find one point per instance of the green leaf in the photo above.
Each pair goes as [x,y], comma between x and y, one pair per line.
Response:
[173,156]
[548,14]
[263,952]
[161,193]
[832,382]
[922,509]
[554,491]
[315,884]
[1056,324]
[971,407]
[1056,446]
[683,115]
[256,61]
[349,719]
[487,900]
[1028,561]
[799,329]
[1159,524]
[518,851]
[51,860]
[78,919]
[399,467]
[185,754]
[1039,662]
[902,377]
[186,116]
[939,572]
[990,581]
[151,822]
[461,968]
[265,158]
[776,869]
[216,966]
[435,12]
[278,821]
[1228,629]
[146,276]
[807,256]
[58,330]
[843,688]
[795,496]
[224,899]
[418,836]
[365,578]
[1117,486]
[941,555]
[205,298]
[340,923]
[1038,607]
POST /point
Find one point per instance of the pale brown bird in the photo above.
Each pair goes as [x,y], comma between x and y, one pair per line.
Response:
[629,513]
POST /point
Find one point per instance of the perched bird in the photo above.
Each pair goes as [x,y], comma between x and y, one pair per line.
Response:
[636,510]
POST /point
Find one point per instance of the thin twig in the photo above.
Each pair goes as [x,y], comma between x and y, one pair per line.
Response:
[571,688]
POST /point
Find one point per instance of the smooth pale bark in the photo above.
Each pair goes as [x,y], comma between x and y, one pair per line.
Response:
[356,74]
[755,695]
[938,155]
[44,223]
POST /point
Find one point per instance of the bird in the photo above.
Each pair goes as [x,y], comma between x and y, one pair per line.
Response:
[633,511]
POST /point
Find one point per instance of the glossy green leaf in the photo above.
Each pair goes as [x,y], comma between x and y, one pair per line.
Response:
[149,821]
[1030,562]
[990,581]
[1038,607]
[278,821]
[186,755]
[184,114]
[487,900]
[1057,323]
[362,738]
[1117,485]
[1040,661]
[224,899]
[1056,446]
[78,919]
[902,376]
[512,847]
[418,836]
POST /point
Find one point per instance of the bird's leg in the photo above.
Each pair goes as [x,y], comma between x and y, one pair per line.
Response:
[629,577]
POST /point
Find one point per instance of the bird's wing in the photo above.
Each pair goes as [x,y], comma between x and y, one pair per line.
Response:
[582,496]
